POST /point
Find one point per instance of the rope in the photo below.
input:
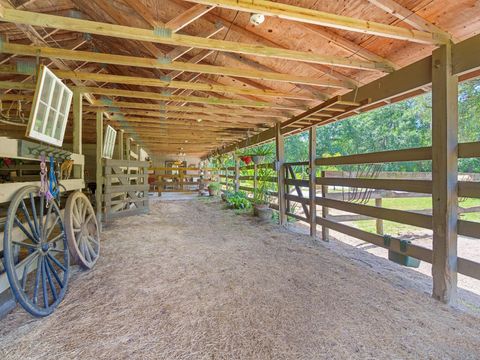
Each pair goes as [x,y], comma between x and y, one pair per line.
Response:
[44,188]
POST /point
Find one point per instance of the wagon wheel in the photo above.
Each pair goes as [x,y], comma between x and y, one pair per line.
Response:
[35,252]
[82,230]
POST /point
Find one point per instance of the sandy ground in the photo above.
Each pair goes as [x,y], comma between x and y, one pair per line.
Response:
[194,281]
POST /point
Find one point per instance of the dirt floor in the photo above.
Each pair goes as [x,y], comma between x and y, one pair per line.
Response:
[194,281]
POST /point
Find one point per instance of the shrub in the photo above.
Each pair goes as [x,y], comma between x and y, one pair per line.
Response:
[238,200]
[214,186]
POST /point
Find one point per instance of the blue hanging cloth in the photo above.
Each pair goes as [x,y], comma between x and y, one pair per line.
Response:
[52,179]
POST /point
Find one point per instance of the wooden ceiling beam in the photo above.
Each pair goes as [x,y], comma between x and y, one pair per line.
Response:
[188,17]
[124,60]
[192,99]
[190,109]
[407,16]
[165,36]
[348,45]
[314,17]
[152,82]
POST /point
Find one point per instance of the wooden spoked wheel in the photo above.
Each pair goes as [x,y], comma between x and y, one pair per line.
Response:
[35,252]
[82,230]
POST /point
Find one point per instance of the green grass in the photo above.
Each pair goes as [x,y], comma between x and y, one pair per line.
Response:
[393,228]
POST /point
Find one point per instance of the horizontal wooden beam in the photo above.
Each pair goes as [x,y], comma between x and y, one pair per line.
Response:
[190,99]
[166,36]
[400,83]
[197,117]
[153,82]
[135,61]
[315,17]
[116,106]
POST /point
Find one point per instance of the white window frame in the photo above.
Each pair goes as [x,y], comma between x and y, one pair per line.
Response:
[109,142]
[63,104]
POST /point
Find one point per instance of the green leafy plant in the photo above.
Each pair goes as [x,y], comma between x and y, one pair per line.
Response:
[214,186]
[238,200]
[261,195]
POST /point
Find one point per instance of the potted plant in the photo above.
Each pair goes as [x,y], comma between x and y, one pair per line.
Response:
[247,159]
[261,195]
[261,152]
[213,188]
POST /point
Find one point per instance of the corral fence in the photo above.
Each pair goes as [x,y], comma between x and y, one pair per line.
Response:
[353,192]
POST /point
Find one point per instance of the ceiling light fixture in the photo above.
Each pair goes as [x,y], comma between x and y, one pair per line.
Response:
[257,19]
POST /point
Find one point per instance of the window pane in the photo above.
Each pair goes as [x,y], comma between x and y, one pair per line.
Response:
[58,129]
[47,86]
[57,96]
[40,118]
[64,108]
[50,122]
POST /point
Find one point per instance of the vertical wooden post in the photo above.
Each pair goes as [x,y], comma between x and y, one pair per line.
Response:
[137,151]
[444,174]
[77,121]
[325,231]
[379,222]
[280,150]
[255,182]
[78,171]
[121,146]
[237,174]
[129,148]
[312,184]
[99,170]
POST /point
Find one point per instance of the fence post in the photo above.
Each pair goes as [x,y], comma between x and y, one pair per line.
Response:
[280,150]
[325,231]
[379,222]
[312,184]
[255,183]
[237,174]
[444,174]
[99,169]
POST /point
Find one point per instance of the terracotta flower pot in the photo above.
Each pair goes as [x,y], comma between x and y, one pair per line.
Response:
[246,159]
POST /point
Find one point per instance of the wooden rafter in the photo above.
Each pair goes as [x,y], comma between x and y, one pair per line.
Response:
[188,17]
[162,36]
[155,64]
[133,80]
[192,99]
[315,17]
[407,16]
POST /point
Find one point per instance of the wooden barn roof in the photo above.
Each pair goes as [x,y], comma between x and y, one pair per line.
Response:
[195,76]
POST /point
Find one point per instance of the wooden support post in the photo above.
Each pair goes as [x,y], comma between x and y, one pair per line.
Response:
[121,148]
[280,150]
[379,222]
[255,182]
[325,231]
[77,131]
[444,174]
[237,174]
[128,144]
[77,121]
[312,184]
[137,151]
[99,170]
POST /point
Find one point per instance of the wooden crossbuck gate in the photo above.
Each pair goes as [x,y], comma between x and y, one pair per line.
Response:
[126,188]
